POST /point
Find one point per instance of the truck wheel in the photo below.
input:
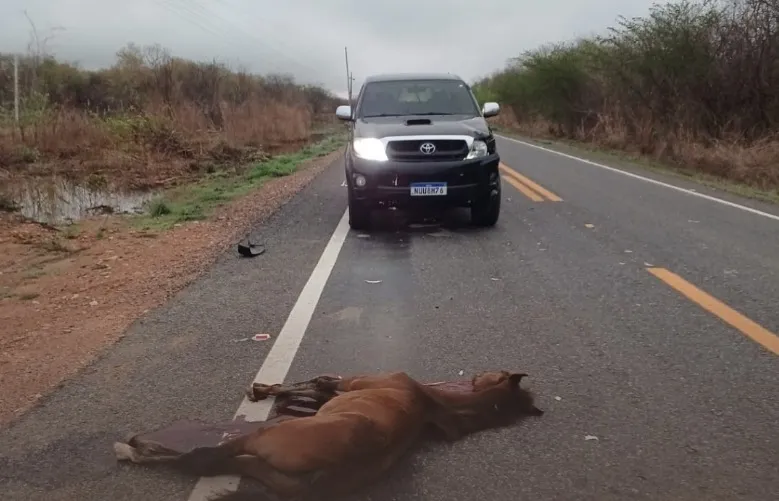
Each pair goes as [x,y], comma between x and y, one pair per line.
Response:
[359,214]
[486,211]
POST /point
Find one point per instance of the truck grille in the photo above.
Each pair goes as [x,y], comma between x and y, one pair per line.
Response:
[459,176]
[409,150]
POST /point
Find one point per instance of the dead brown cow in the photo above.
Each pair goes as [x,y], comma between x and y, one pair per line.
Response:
[363,426]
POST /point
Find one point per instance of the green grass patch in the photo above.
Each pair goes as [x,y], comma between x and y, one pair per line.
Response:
[34,273]
[159,208]
[635,163]
[72,231]
[194,202]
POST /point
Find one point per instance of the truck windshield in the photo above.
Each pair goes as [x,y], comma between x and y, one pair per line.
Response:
[417,97]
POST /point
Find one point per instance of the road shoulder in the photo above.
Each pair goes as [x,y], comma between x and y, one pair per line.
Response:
[87,303]
[765,201]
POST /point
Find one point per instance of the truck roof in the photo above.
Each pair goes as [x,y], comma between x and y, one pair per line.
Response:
[389,77]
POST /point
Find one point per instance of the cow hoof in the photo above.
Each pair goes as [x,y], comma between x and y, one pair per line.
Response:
[124,452]
[260,391]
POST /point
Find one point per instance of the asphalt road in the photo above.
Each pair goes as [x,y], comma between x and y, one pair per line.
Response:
[575,292]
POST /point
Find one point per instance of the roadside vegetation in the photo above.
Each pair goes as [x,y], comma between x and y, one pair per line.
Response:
[202,151]
[196,201]
[693,84]
[150,118]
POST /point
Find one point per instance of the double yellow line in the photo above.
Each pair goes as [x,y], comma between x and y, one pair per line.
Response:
[527,187]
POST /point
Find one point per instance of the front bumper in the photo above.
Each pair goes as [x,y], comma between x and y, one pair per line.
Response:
[388,183]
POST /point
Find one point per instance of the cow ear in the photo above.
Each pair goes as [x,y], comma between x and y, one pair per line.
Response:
[515,379]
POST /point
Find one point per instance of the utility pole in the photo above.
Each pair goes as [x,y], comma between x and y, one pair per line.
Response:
[16,88]
[348,75]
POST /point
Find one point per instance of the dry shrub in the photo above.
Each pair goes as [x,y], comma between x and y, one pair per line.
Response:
[66,133]
[756,163]
[695,83]
[506,118]
[259,123]
[150,112]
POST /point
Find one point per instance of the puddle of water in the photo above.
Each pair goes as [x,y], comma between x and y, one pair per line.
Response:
[56,200]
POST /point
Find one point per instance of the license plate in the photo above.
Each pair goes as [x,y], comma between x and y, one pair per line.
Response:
[428,189]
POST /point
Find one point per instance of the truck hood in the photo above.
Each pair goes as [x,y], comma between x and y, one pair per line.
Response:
[415,125]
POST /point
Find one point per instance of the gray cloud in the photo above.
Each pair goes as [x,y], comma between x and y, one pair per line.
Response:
[306,37]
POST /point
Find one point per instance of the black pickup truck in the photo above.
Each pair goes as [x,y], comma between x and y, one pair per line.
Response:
[420,140]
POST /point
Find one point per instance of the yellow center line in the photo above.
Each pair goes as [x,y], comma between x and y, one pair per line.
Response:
[532,195]
[530,183]
[758,333]
[519,185]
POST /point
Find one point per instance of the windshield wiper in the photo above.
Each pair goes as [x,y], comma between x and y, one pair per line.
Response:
[384,115]
[435,113]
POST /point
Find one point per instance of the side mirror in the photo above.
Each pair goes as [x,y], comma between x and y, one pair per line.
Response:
[490,109]
[344,112]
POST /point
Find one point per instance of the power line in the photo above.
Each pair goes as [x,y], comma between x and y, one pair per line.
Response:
[253,37]
[196,19]
[189,19]
[229,29]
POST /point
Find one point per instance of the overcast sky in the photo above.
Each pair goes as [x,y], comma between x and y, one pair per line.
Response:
[306,37]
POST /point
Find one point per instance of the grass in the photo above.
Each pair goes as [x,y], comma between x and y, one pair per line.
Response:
[55,245]
[619,158]
[196,201]
[34,273]
[159,208]
[72,231]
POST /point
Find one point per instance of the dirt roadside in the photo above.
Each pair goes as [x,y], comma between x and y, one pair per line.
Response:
[75,302]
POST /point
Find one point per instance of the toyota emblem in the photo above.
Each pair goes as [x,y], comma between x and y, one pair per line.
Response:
[427,148]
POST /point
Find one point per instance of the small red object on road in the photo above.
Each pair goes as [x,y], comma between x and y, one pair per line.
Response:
[260,337]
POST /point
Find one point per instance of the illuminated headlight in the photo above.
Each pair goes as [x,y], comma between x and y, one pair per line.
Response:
[370,148]
[478,150]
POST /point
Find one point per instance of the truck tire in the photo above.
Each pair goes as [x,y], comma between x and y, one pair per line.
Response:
[359,214]
[485,212]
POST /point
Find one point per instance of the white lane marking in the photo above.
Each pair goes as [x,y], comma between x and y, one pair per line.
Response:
[276,365]
[648,180]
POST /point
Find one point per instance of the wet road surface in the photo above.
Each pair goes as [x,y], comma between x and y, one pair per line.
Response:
[645,316]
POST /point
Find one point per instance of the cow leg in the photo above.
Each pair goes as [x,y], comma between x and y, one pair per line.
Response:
[283,484]
[259,391]
[126,452]
[308,389]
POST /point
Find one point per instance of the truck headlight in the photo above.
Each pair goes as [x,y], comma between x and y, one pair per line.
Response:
[370,148]
[478,150]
